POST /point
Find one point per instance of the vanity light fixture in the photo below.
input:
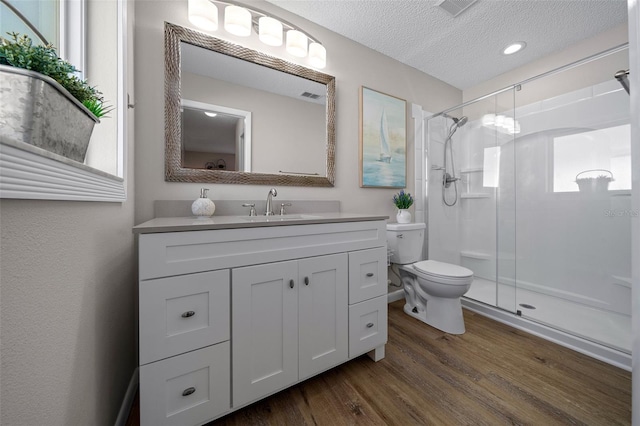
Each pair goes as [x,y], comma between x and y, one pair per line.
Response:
[239,20]
[514,47]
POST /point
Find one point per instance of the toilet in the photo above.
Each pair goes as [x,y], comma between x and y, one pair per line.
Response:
[432,289]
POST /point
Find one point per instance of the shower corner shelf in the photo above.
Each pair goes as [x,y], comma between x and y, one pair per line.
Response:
[475,195]
[472,170]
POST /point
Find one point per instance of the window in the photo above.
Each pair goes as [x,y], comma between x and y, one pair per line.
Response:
[30,175]
[602,152]
[59,22]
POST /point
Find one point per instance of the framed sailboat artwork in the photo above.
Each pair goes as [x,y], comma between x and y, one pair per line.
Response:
[383,140]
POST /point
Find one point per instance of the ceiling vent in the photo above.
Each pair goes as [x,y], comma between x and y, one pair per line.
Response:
[456,7]
[309,95]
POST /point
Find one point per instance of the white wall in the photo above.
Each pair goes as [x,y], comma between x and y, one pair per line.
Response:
[351,64]
[68,295]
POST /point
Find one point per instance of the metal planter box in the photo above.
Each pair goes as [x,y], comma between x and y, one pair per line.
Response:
[35,109]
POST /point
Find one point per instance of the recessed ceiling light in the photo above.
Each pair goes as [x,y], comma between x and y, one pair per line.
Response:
[513,48]
[210,114]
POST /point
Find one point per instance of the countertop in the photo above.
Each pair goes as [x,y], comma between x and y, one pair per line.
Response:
[179,224]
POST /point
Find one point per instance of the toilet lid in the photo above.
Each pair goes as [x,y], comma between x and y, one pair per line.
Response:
[433,267]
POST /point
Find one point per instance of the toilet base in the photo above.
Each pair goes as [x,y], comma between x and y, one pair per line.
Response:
[445,314]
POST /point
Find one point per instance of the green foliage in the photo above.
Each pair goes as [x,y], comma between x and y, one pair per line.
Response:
[98,108]
[403,200]
[20,52]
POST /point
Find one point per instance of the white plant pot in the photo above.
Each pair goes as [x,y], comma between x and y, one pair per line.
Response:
[403,216]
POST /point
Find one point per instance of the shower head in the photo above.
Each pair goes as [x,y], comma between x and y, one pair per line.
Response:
[460,121]
[457,123]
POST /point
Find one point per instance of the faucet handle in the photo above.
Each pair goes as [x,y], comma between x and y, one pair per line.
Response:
[252,211]
[282,206]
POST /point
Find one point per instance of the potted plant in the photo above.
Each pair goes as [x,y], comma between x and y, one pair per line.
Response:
[403,200]
[43,102]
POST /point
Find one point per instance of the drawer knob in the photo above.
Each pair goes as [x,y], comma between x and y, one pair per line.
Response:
[188,391]
[369,325]
[188,314]
[306,280]
[370,274]
[291,283]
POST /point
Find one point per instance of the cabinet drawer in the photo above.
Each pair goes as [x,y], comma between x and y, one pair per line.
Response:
[367,325]
[187,389]
[367,274]
[180,314]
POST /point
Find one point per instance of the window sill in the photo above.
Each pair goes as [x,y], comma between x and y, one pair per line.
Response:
[28,172]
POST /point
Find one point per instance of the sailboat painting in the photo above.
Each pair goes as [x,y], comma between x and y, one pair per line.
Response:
[383,142]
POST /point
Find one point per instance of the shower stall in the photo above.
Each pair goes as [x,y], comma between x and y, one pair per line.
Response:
[530,188]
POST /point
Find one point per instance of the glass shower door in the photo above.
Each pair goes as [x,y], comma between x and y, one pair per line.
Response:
[573,205]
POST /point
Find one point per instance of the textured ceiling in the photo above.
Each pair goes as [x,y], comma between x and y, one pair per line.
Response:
[466,50]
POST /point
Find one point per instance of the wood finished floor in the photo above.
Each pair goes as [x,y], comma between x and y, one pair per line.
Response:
[491,375]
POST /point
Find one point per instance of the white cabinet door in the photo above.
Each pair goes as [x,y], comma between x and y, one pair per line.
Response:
[265,329]
[323,313]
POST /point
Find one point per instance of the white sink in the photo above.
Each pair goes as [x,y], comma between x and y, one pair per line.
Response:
[277,218]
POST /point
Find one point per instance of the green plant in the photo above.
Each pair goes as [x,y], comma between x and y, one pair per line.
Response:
[403,200]
[20,52]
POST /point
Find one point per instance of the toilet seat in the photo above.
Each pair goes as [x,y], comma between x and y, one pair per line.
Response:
[444,273]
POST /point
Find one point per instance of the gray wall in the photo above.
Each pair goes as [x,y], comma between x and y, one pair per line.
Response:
[351,64]
[67,303]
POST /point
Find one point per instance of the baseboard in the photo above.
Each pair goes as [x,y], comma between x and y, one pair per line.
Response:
[578,344]
[395,295]
[129,398]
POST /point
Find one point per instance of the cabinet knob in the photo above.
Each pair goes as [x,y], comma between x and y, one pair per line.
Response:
[291,283]
[306,280]
[369,325]
[188,391]
[188,314]
[370,274]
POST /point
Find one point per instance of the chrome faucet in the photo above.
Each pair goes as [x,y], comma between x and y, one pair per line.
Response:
[268,210]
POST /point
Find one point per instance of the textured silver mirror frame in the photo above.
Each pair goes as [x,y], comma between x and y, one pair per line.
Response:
[174,172]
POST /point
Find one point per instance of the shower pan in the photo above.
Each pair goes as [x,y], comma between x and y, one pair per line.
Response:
[541,249]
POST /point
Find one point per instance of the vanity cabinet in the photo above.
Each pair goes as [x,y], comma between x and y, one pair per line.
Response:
[290,321]
[229,316]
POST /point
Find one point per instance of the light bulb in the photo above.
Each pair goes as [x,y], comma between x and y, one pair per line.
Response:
[203,14]
[296,43]
[270,31]
[237,21]
[317,55]
[513,48]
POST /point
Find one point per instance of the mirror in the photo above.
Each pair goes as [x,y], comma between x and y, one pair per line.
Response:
[234,115]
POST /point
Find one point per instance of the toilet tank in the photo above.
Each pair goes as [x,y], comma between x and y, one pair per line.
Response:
[405,241]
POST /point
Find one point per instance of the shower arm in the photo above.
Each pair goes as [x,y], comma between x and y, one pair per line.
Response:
[623,77]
